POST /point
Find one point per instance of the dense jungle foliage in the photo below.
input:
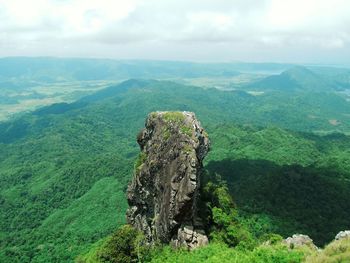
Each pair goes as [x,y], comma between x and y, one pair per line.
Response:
[64,171]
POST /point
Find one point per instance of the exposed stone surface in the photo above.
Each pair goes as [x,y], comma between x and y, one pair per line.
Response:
[343,235]
[298,240]
[164,191]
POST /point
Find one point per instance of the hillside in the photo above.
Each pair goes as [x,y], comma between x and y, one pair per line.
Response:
[65,165]
[27,83]
[297,78]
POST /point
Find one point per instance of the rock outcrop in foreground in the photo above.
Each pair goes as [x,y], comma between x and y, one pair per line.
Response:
[343,235]
[298,240]
[163,195]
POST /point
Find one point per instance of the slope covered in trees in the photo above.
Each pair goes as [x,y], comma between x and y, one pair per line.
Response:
[64,168]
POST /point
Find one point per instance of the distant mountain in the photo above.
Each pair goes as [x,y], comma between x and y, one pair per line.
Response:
[50,69]
[28,70]
[298,78]
[214,104]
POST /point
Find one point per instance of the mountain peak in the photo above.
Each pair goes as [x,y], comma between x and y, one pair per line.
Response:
[299,71]
[296,78]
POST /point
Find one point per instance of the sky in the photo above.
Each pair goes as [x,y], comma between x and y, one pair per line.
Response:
[298,31]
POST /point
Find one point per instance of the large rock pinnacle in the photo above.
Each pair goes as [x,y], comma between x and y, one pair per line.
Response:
[164,191]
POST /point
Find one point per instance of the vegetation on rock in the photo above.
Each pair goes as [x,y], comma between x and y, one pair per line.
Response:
[337,251]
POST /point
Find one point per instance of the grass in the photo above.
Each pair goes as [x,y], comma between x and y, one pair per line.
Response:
[221,253]
[174,116]
[166,133]
[336,252]
[140,161]
[186,130]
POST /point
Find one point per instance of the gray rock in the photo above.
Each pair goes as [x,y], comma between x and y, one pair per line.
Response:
[164,191]
[190,238]
[298,240]
[343,235]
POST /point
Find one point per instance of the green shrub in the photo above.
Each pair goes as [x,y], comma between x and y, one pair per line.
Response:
[271,238]
[141,158]
[126,245]
[223,218]
[186,130]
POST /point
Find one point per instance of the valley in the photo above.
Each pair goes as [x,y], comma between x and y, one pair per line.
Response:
[64,168]
[31,96]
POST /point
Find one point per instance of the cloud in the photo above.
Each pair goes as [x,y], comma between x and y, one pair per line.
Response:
[197,29]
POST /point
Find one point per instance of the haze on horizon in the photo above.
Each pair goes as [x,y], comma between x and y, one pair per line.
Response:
[297,31]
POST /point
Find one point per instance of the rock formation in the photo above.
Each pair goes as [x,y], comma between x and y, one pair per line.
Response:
[343,235]
[298,240]
[164,192]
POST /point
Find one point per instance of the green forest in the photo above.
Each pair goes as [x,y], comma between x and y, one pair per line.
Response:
[279,164]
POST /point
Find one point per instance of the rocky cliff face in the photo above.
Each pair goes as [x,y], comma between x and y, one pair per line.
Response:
[164,192]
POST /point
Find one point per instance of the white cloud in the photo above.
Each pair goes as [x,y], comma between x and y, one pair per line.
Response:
[182,29]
